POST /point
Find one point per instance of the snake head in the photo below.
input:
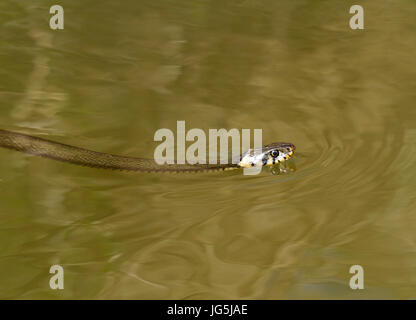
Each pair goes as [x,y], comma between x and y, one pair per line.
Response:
[268,155]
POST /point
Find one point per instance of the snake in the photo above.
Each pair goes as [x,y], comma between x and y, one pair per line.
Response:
[268,155]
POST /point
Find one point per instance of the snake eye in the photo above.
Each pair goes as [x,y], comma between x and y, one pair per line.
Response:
[274,153]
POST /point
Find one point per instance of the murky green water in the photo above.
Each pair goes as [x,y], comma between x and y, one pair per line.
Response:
[118,72]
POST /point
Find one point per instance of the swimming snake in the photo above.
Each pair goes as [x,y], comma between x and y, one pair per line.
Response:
[266,156]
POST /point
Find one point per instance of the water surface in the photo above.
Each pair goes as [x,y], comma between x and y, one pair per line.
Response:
[119,72]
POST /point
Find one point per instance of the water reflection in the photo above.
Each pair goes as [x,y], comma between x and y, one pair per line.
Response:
[294,69]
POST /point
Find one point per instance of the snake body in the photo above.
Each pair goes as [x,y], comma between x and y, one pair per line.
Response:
[84,157]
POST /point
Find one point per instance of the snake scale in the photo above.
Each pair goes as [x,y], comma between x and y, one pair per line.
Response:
[268,155]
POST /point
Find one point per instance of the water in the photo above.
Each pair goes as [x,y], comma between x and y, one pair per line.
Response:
[295,69]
